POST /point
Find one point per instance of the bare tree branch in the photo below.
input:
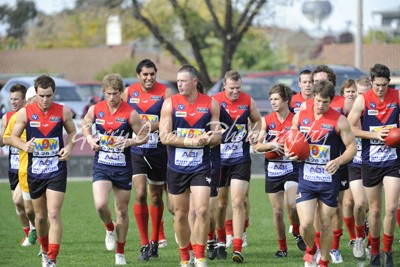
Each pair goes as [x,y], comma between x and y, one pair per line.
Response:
[211,9]
[250,18]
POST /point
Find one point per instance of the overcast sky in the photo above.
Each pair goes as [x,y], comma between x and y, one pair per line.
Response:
[343,15]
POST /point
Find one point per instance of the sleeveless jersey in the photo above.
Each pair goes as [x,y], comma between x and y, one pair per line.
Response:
[296,102]
[190,120]
[47,129]
[111,128]
[275,169]
[13,153]
[324,143]
[235,149]
[375,116]
[148,105]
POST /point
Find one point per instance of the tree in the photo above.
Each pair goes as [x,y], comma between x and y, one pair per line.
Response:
[18,18]
[230,27]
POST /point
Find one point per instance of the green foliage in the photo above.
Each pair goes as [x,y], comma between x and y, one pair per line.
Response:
[83,237]
[125,69]
[374,37]
[254,53]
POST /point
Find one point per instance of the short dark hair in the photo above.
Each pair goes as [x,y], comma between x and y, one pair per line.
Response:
[379,71]
[327,70]
[346,84]
[44,81]
[194,74]
[283,90]
[145,63]
[233,75]
[306,72]
[18,88]
[325,89]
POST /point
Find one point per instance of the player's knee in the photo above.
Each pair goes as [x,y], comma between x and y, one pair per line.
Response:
[54,215]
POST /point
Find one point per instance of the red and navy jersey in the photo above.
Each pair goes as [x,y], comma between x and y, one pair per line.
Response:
[190,120]
[296,102]
[13,153]
[325,145]
[109,129]
[47,128]
[148,105]
[235,147]
[376,115]
[338,104]
[276,169]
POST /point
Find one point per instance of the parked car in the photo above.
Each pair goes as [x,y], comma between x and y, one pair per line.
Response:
[67,93]
[257,88]
[343,72]
[90,89]
[274,77]
[131,80]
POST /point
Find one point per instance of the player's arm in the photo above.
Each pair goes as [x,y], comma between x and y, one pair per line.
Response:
[124,95]
[18,129]
[70,128]
[295,121]
[255,120]
[141,130]
[8,130]
[262,147]
[215,127]
[354,118]
[87,124]
[3,129]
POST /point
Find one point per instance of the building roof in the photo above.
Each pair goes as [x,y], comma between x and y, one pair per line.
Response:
[387,54]
[79,63]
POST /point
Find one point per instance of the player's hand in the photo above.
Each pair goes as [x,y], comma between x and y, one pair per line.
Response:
[30,145]
[382,133]
[122,143]
[291,156]
[64,154]
[332,166]
[93,142]
[252,137]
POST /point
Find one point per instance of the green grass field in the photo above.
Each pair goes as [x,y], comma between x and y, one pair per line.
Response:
[83,238]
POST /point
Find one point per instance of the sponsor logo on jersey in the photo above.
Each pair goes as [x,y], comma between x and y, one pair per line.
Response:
[306,121]
[155,97]
[372,112]
[181,114]
[121,120]
[101,114]
[305,129]
[202,110]
[392,105]
[135,94]
[55,119]
[134,100]
[243,107]
[327,126]
[223,104]
[34,123]
[181,107]
[272,125]
[372,105]
[101,122]
[35,117]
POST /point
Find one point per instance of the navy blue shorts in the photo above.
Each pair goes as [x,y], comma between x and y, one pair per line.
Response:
[274,186]
[178,182]
[121,180]
[13,179]
[154,166]
[328,195]
[372,176]
[343,173]
[37,187]
[241,171]
[354,172]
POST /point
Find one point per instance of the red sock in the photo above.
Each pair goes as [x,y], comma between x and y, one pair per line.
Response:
[221,235]
[398,217]
[312,250]
[282,244]
[199,251]
[120,248]
[161,234]
[387,243]
[44,241]
[142,221]
[375,245]
[53,251]
[316,238]
[246,224]
[350,225]
[237,244]
[185,256]
[26,230]
[189,246]
[110,226]
[211,235]
[229,227]
[323,263]
[360,231]
[295,229]
[336,238]
[156,214]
